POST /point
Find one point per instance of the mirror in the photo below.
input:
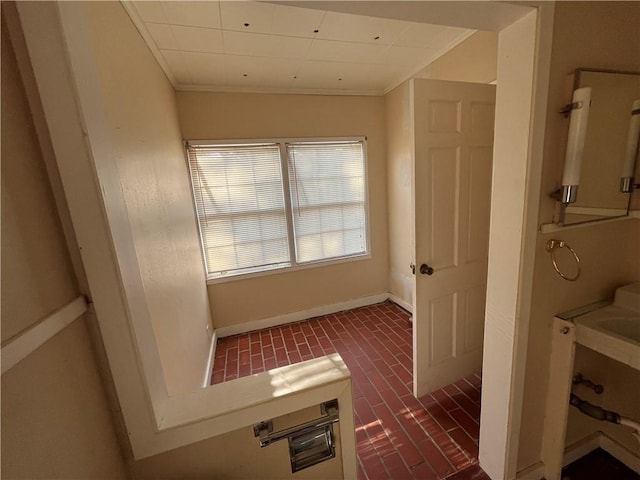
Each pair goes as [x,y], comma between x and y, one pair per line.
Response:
[612,97]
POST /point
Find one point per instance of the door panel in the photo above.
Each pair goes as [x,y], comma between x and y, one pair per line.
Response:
[453,132]
[443,319]
[444,117]
[444,166]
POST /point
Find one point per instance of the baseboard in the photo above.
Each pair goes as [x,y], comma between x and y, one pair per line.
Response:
[583,447]
[212,355]
[300,315]
[398,301]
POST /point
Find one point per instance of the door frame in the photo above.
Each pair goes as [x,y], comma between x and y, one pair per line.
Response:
[524,60]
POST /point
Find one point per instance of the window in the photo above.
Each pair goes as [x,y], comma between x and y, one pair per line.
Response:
[280,204]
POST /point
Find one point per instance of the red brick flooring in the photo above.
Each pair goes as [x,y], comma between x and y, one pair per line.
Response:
[398,436]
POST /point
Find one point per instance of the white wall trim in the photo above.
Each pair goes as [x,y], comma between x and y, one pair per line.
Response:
[399,301]
[300,315]
[10,14]
[520,117]
[26,343]
[210,360]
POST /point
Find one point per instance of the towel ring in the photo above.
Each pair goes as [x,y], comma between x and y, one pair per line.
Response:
[551,247]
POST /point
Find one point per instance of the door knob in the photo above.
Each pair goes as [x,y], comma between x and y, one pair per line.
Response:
[426,269]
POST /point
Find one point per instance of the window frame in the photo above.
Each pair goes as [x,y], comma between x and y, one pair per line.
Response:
[293,265]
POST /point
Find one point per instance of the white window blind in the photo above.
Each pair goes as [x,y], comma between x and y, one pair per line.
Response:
[271,205]
[328,199]
[238,192]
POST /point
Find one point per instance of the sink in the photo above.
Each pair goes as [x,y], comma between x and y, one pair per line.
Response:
[614,330]
[628,297]
[625,327]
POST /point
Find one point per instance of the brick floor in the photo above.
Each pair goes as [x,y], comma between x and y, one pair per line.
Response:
[397,435]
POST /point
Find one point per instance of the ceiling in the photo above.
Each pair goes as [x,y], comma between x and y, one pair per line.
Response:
[256,46]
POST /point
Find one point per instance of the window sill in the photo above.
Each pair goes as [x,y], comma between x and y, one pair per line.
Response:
[287,269]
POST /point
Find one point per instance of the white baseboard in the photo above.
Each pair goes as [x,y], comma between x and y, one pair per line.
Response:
[583,447]
[212,355]
[399,301]
[300,315]
[20,347]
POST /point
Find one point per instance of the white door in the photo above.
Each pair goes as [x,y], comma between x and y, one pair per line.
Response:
[453,128]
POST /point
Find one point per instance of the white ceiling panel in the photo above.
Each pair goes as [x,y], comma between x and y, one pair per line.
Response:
[162,34]
[193,14]
[258,15]
[206,44]
[206,68]
[408,56]
[355,28]
[259,45]
[195,39]
[150,11]
[296,22]
[344,75]
[268,72]
[229,71]
[336,72]
[261,67]
[420,34]
[330,50]
[179,66]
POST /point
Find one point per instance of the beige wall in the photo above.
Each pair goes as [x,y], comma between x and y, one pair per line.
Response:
[37,277]
[208,116]
[596,35]
[55,417]
[242,459]
[142,115]
[473,60]
[400,196]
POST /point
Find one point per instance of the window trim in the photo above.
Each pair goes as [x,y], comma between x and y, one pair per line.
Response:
[293,266]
